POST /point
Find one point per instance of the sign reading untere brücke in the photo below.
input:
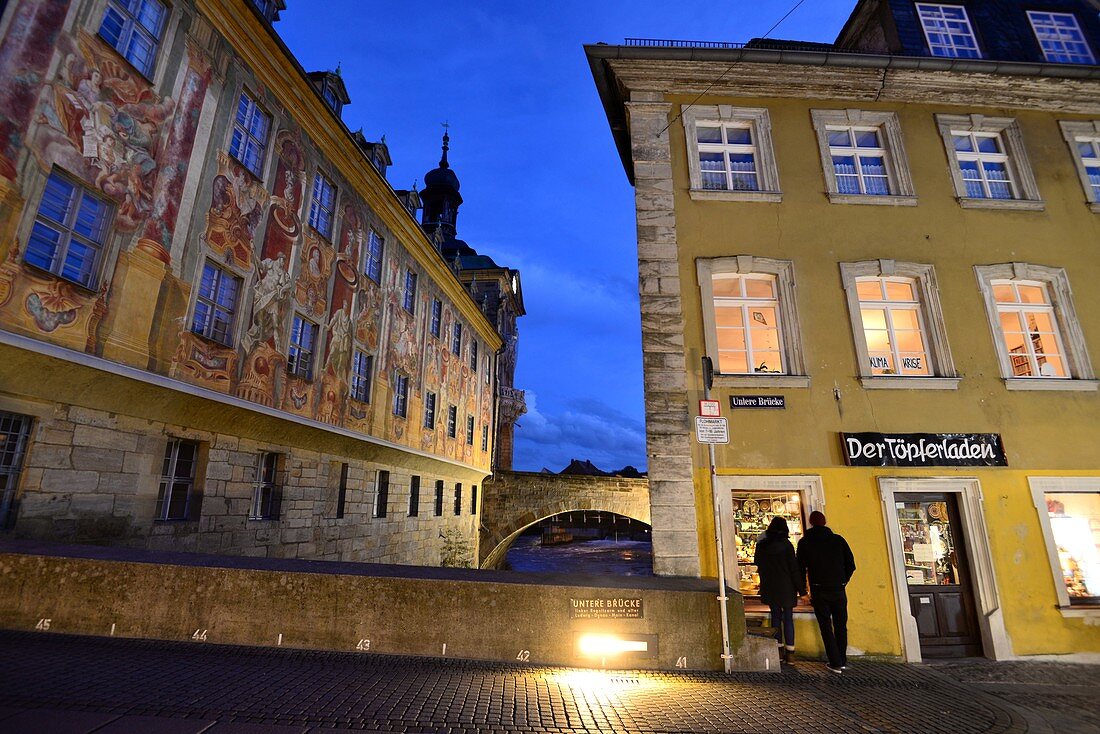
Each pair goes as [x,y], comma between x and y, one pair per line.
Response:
[606,607]
[923,449]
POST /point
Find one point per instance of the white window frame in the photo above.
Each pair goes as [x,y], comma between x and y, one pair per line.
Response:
[896,160]
[758,121]
[944,375]
[269,510]
[246,138]
[951,48]
[1070,57]
[1040,486]
[375,252]
[790,335]
[436,322]
[169,479]
[470,425]
[1083,132]
[297,349]
[319,214]
[206,330]
[431,401]
[408,299]
[130,26]
[66,230]
[362,381]
[400,395]
[1012,143]
[452,421]
[456,339]
[1081,375]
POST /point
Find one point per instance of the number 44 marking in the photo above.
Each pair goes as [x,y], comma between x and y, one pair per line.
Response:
[199,636]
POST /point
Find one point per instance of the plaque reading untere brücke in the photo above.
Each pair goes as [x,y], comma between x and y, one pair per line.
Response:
[606,607]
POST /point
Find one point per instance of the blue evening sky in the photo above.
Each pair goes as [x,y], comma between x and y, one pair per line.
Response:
[543,188]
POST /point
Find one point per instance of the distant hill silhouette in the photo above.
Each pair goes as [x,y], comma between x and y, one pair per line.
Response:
[588,469]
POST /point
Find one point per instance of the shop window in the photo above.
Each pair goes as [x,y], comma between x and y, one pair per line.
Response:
[752,511]
[303,337]
[897,325]
[179,496]
[134,28]
[323,206]
[216,304]
[989,164]
[1084,144]
[1069,514]
[948,31]
[1060,37]
[382,494]
[414,495]
[69,231]
[362,370]
[928,543]
[863,157]
[266,493]
[1035,328]
[15,433]
[251,128]
[372,268]
[751,324]
[730,155]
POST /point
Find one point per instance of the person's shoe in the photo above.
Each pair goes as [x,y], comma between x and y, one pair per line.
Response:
[788,654]
[783,655]
[831,669]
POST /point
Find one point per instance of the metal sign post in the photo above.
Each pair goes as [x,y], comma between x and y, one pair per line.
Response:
[715,432]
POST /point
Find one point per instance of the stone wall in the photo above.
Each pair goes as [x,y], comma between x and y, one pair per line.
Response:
[514,501]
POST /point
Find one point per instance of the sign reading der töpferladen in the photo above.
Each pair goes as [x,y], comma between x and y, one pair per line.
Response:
[923,449]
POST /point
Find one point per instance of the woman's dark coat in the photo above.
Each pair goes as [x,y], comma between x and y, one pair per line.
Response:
[780,577]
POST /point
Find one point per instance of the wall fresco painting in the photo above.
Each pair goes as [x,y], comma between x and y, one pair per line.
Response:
[237,203]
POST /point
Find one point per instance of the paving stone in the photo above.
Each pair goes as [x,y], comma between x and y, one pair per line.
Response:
[155,725]
[55,722]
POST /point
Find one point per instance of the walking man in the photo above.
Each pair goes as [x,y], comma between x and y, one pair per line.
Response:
[826,558]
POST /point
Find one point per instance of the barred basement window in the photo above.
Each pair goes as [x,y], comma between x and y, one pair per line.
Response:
[429,410]
[342,491]
[134,28]
[251,127]
[437,317]
[15,432]
[178,497]
[382,494]
[470,430]
[323,207]
[414,495]
[372,268]
[216,304]
[458,498]
[69,231]
[452,421]
[303,335]
[473,500]
[439,498]
[266,494]
[362,369]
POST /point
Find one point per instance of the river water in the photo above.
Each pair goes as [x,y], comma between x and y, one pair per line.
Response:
[604,557]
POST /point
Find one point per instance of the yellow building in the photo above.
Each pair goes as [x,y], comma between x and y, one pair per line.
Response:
[221,329]
[888,249]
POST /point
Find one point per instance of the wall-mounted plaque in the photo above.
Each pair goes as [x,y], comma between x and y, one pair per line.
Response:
[606,607]
[923,449]
[773,402]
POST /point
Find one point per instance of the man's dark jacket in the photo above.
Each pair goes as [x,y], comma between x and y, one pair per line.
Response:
[826,557]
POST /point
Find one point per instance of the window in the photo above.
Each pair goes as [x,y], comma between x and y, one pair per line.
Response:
[409,301]
[134,28]
[948,32]
[458,498]
[414,495]
[69,231]
[456,339]
[216,304]
[897,325]
[473,357]
[437,317]
[323,205]
[268,9]
[452,421]
[439,498]
[730,153]
[485,438]
[401,395]
[266,495]
[15,432]
[1061,38]
[1084,144]
[429,410]
[342,491]
[470,430]
[473,500]
[488,370]
[382,494]
[1036,332]
[1069,514]
[362,369]
[251,128]
[178,498]
[373,266]
[863,157]
[751,326]
[989,163]
[299,360]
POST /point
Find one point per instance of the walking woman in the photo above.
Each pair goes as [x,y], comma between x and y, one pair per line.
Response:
[780,582]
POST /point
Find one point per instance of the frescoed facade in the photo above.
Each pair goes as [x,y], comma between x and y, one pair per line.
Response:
[886,248]
[214,310]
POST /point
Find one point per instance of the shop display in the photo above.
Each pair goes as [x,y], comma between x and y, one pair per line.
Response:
[1075,524]
[927,543]
[752,511]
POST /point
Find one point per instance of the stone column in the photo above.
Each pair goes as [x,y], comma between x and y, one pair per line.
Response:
[668,429]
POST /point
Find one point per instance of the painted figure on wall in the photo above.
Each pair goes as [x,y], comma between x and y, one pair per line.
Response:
[236,205]
[311,287]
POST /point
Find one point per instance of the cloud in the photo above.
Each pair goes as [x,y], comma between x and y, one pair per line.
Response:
[585,428]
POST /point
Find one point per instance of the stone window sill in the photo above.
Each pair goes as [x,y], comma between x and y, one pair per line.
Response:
[773,197]
[1079,612]
[1050,383]
[838,198]
[910,383]
[1094,207]
[1020,205]
[762,381]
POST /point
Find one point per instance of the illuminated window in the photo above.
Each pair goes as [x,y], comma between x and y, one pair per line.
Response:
[216,304]
[362,367]
[299,358]
[178,497]
[1084,143]
[323,206]
[266,494]
[251,127]
[1061,38]
[134,28]
[948,31]
[1069,515]
[69,231]
[890,311]
[989,165]
[1029,329]
[730,153]
[372,268]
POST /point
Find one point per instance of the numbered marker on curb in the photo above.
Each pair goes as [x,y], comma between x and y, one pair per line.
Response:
[199,635]
[524,656]
[363,646]
[43,624]
[682,661]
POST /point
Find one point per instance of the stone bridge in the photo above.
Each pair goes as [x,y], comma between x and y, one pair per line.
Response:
[514,501]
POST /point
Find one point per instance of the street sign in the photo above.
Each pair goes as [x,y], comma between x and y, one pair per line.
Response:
[774,402]
[710,408]
[711,430]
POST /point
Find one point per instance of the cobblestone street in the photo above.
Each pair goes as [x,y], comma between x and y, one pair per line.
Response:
[61,684]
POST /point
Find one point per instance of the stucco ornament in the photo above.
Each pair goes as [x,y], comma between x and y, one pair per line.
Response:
[270,292]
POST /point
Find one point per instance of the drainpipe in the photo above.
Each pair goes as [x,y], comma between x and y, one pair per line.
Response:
[727,658]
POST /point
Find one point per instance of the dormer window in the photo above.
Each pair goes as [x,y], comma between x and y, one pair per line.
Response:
[1061,38]
[331,88]
[269,9]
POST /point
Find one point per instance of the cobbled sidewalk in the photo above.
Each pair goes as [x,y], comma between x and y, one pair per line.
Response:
[57,684]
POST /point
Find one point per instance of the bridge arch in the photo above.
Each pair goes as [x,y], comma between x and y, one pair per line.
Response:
[514,501]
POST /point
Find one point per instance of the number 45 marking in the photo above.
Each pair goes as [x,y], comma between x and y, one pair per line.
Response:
[43,624]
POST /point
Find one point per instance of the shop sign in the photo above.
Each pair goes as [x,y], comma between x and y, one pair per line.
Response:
[606,607]
[923,449]
[775,402]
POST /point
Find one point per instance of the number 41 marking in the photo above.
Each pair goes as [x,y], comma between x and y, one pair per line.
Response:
[682,661]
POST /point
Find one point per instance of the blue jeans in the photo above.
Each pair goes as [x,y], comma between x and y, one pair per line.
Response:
[783,621]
